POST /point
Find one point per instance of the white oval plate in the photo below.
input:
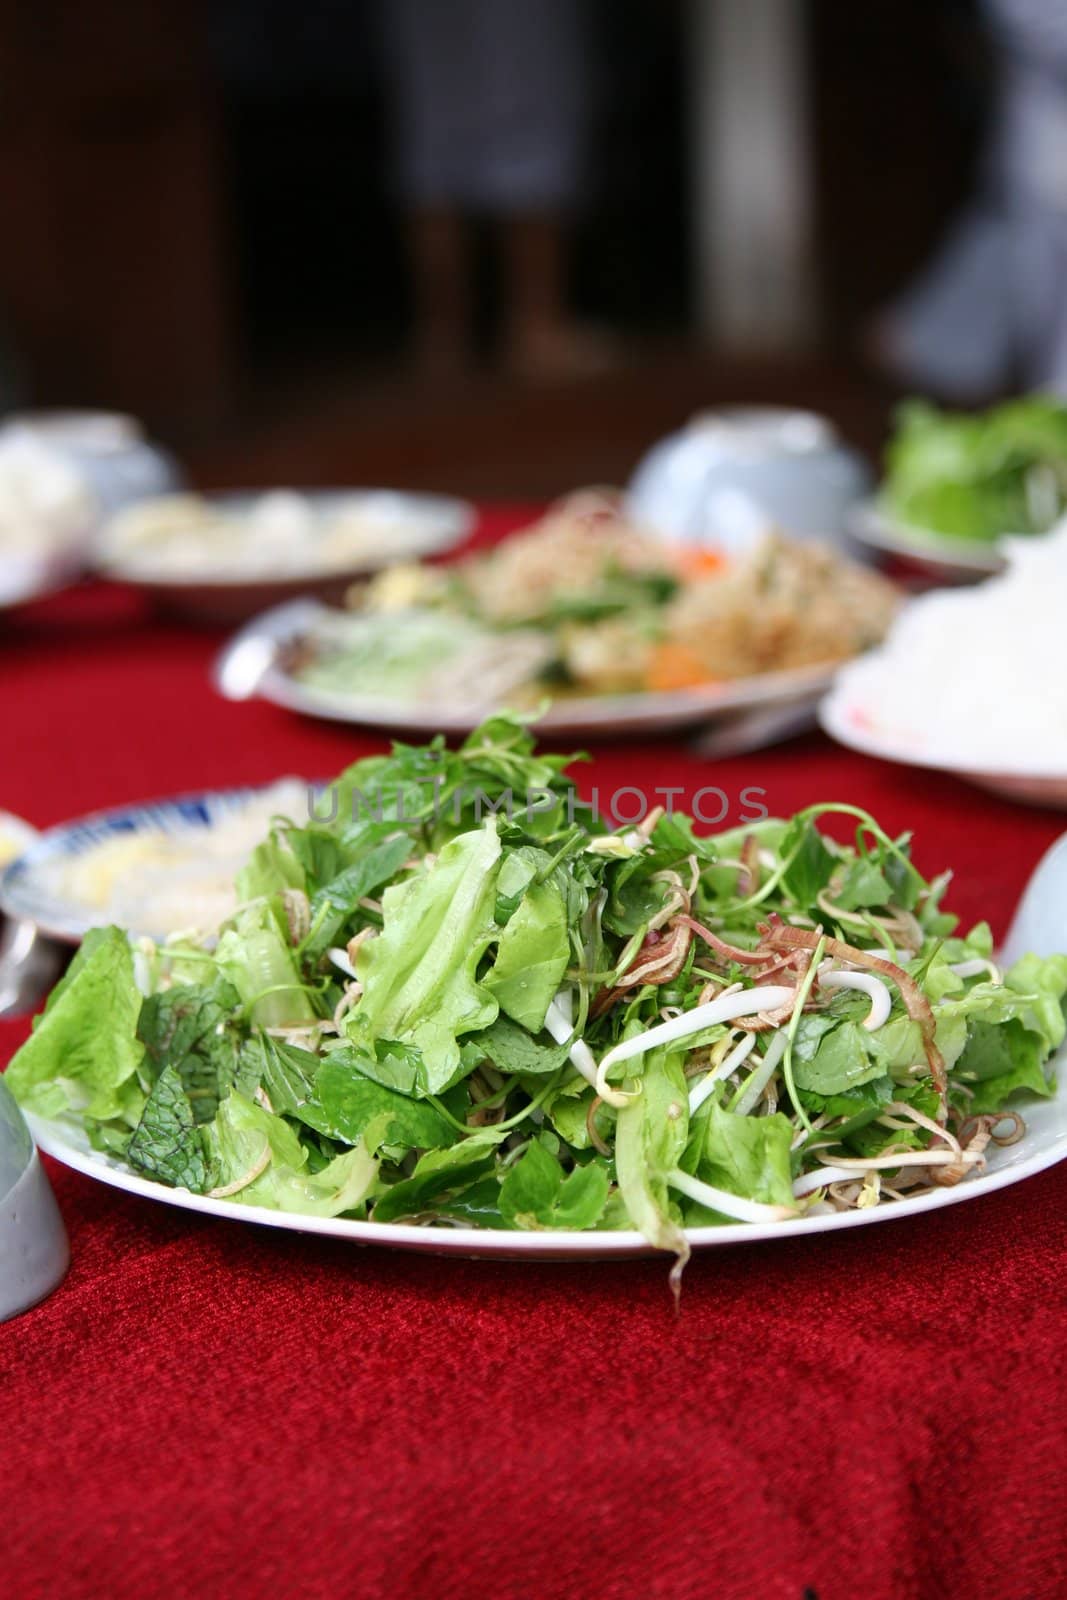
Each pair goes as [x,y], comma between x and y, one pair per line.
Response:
[25,889]
[31,577]
[412,526]
[1044,1144]
[845,718]
[959,560]
[250,665]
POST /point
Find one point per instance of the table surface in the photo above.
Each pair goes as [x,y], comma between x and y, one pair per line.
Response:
[208,1407]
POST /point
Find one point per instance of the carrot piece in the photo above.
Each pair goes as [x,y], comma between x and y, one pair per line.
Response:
[675,666]
[701,562]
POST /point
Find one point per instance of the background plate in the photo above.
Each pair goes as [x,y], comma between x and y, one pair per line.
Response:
[30,577]
[25,891]
[844,717]
[960,560]
[413,526]
[261,643]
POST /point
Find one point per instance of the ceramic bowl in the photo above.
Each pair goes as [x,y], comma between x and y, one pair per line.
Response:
[732,474]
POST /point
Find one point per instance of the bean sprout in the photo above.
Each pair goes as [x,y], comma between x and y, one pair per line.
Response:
[731,1205]
[971,969]
[866,983]
[724,1068]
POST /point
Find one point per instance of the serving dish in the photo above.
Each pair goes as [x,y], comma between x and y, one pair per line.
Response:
[970,680]
[231,584]
[414,990]
[940,559]
[844,715]
[108,451]
[16,836]
[255,664]
[1044,1146]
[29,886]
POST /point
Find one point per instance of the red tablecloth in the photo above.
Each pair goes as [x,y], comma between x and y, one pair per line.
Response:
[207,1408]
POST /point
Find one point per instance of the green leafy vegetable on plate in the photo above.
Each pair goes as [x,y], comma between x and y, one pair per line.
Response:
[439,1004]
[978,477]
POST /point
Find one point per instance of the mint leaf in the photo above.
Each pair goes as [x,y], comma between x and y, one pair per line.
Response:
[190,1028]
[167,1145]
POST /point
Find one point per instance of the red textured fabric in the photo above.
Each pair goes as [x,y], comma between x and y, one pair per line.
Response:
[207,1408]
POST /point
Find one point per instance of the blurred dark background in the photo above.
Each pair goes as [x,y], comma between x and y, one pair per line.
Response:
[203,225]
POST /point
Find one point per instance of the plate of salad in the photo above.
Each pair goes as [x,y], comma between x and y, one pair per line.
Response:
[956,483]
[445,1020]
[584,617]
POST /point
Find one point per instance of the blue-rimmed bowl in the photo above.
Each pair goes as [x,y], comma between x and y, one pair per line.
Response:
[27,888]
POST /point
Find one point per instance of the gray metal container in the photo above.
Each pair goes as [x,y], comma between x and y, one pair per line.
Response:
[34,1253]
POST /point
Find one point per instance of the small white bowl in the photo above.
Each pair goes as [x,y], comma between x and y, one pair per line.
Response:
[1040,921]
[732,474]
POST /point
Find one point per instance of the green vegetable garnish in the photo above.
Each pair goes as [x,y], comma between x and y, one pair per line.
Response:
[453,996]
[979,477]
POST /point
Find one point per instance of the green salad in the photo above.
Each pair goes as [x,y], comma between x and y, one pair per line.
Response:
[454,995]
[979,476]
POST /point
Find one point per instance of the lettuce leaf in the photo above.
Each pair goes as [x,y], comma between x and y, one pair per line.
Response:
[245,1134]
[747,1156]
[1044,979]
[84,1053]
[650,1136]
[1002,1059]
[830,1056]
[343,1105]
[256,959]
[513,1049]
[271,868]
[532,957]
[438,1177]
[418,976]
